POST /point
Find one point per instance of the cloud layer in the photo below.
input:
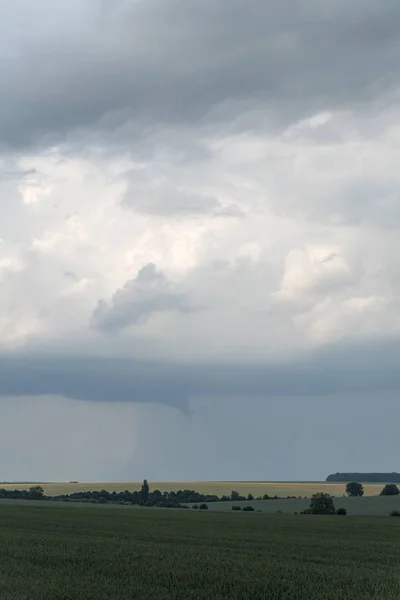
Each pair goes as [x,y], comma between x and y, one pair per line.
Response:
[200,205]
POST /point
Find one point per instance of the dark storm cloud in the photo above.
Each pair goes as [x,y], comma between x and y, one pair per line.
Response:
[184,62]
[148,293]
[356,369]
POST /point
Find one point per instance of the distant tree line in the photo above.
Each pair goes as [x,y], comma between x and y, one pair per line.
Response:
[174,499]
[364,477]
[34,493]
[144,497]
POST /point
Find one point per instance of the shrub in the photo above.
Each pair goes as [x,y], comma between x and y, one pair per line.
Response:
[341,511]
[322,504]
[168,504]
[203,506]
[250,497]
[395,513]
[236,508]
[248,508]
[195,506]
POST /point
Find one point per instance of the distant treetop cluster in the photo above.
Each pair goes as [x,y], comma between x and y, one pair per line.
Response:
[364,478]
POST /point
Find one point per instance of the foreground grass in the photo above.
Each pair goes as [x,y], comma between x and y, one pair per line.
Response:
[77,554]
[256,488]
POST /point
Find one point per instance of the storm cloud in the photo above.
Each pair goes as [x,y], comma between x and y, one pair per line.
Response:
[162,63]
[199,232]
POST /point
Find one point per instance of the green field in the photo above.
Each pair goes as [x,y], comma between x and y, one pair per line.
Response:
[373,506]
[220,487]
[368,506]
[86,554]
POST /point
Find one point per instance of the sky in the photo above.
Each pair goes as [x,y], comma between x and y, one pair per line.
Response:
[199,239]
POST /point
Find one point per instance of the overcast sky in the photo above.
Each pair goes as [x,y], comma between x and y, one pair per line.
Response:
[199,239]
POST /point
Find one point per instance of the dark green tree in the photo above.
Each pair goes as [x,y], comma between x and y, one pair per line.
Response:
[250,497]
[145,491]
[390,489]
[235,495]
[36,492]
[322,504]
[354,489]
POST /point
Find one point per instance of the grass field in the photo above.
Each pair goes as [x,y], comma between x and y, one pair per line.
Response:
[303,489]
[373,506]
[85,554]
[380,506]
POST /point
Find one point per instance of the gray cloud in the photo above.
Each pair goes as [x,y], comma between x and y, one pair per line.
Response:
[159,200]
[15,175]
[170,62]
[250,151]
[148,293]
[70,275]
[356,369]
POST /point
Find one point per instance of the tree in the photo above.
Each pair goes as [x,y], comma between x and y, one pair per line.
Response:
[354,489]
[36,492]
[145,491]
[390,489]
[250,497]
[235,495]
[322,504]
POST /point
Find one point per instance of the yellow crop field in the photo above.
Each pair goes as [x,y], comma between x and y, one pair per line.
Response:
[220,488]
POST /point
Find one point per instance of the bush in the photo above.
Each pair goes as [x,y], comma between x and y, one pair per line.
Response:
[341,511]
[195,506]
[203,506]
[248,508]
[250,497]
[395,513]
[322,504]
[236,508]
[167,504]
[390,489]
